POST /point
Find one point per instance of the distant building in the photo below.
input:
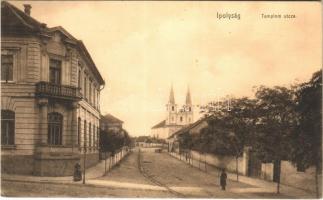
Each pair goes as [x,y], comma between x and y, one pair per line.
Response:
[175,118]
[109,122]
[192,129]
[50,91]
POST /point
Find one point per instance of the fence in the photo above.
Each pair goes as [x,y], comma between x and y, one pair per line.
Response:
[198,162]
[111,160]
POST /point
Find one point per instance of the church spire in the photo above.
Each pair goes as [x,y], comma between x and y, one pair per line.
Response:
[188,97]
[171,96]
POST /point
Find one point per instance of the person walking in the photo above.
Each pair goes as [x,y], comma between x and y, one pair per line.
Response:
[223,179]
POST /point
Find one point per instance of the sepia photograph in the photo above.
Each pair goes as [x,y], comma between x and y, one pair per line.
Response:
[161,99]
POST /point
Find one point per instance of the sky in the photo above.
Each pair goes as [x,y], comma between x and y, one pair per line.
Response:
[142,48]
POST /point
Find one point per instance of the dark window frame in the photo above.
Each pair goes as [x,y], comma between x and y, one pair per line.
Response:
[79,121]
[8,127]
[7,67]
[55,129]
[90,135]
[84,135]
[55,71]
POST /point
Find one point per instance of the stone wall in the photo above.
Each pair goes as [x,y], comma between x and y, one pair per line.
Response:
[227,162]
[267,171]
[91,159]
[17,164]
[304,180]
[55,167]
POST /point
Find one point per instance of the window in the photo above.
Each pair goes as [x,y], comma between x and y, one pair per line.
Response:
[7,127]
[79,79]
[189,109]
[90,91]
[85,95]
[79,131]
[7,68]
[84,133]
[97,99]
[55,71]
[172,108]
[98,136]
[55,125]
[94,141]
[90,135]
[94,96]
[181,118]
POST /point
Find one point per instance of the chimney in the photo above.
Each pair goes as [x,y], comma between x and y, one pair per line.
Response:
[27,8]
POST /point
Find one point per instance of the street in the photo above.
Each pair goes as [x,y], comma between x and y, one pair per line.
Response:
[142,174]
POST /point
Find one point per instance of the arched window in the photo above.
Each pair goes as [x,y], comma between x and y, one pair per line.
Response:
[181,118]
[55,128]
[7,127]
[172,108]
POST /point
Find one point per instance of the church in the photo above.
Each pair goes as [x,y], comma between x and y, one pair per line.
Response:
[175,118]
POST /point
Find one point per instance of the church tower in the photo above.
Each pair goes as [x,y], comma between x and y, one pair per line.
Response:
[189,108]
[171,108]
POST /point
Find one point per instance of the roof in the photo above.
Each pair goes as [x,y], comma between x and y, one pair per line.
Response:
[189,127]
[110,118]
[8,9]
[160,124]
[9,12]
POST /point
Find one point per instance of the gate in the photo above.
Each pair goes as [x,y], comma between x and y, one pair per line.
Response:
[254,166]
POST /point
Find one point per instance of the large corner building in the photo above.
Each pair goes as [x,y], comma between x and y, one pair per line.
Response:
[50,90]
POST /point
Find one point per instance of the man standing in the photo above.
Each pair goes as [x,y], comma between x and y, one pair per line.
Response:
[223,179]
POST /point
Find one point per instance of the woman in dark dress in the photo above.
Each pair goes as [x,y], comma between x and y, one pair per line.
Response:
[223,179]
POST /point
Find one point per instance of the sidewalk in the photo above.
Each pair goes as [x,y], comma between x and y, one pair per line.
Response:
[257,185]
[90,173]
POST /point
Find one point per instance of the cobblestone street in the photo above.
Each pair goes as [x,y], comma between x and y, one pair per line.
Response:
[192,182]
[142,174]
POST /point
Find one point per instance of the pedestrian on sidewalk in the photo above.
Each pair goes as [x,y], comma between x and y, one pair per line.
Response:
[223,179]
[77,172]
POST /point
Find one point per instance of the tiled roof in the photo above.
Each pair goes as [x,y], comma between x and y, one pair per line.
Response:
[110,118]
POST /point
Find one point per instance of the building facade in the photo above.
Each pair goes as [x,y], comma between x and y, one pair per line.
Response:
[109,122]
[175,118]
[50,92]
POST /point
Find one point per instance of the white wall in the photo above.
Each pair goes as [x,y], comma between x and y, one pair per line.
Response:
[227,162]
[305,180]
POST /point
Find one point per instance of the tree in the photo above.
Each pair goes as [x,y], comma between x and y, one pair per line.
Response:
[276,121]
[308,137]
[229,127]
[111,140]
